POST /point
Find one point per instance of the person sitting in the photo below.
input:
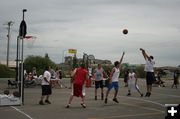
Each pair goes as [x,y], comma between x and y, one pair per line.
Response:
[12,83]
[158,80]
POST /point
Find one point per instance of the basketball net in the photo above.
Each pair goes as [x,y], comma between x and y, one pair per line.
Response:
[29,41]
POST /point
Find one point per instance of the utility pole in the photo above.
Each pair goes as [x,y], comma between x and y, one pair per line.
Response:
[9,24]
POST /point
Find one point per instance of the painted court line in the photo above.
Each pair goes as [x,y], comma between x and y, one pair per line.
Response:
[147,108]
[22,112]
[143,100]
[175,96]
[157,112]
[133,115]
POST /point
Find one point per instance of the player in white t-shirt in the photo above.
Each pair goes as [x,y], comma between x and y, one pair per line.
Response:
[114,80]
[46,87]
[149,69]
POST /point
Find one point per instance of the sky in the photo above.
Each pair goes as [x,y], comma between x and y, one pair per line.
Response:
[95,27]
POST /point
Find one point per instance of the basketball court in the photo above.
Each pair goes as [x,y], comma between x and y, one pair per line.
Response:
[133,107]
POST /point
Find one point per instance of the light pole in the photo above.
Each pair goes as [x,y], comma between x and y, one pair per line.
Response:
[85,59]
[63,55]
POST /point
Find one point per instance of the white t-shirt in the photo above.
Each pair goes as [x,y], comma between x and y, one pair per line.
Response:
[149,66]
[47,74]
[132,76]
[131,82]
[90,71]
[115,76]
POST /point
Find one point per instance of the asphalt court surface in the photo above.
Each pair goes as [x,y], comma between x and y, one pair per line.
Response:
[133,107]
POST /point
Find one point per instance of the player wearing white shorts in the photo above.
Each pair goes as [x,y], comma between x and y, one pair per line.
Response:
[132,83]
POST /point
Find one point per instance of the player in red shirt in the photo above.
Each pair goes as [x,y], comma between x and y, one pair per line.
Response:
[80,75]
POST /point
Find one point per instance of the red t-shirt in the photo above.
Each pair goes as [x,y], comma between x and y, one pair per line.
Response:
[80,76]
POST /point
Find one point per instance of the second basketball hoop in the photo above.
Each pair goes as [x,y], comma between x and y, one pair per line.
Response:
[29,41]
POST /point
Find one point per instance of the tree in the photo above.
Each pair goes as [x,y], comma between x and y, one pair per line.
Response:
[39,62]
[140,72]
[6,72]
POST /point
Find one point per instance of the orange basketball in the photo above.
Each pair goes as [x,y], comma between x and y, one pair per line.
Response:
[125,31]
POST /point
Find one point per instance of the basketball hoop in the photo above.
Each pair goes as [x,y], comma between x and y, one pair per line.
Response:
[29,41]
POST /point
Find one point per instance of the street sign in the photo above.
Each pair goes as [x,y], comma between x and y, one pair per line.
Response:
[73,51]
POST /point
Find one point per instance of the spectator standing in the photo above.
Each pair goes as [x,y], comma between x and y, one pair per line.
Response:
[46,86]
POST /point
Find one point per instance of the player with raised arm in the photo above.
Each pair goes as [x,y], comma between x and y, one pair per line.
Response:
[149,69]
[114,79]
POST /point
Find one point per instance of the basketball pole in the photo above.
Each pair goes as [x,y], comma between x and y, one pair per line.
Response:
[22,63]
[22,34]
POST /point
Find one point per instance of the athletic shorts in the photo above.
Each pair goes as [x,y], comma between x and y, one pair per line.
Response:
[78,90]
[125,79]
[46,90]
[150,78]
[113,84]
[99,84]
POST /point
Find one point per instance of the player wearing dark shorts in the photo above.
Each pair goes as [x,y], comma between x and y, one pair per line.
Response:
[99,74]
[149,69]
[46,87]
[46,90]
[126,75]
